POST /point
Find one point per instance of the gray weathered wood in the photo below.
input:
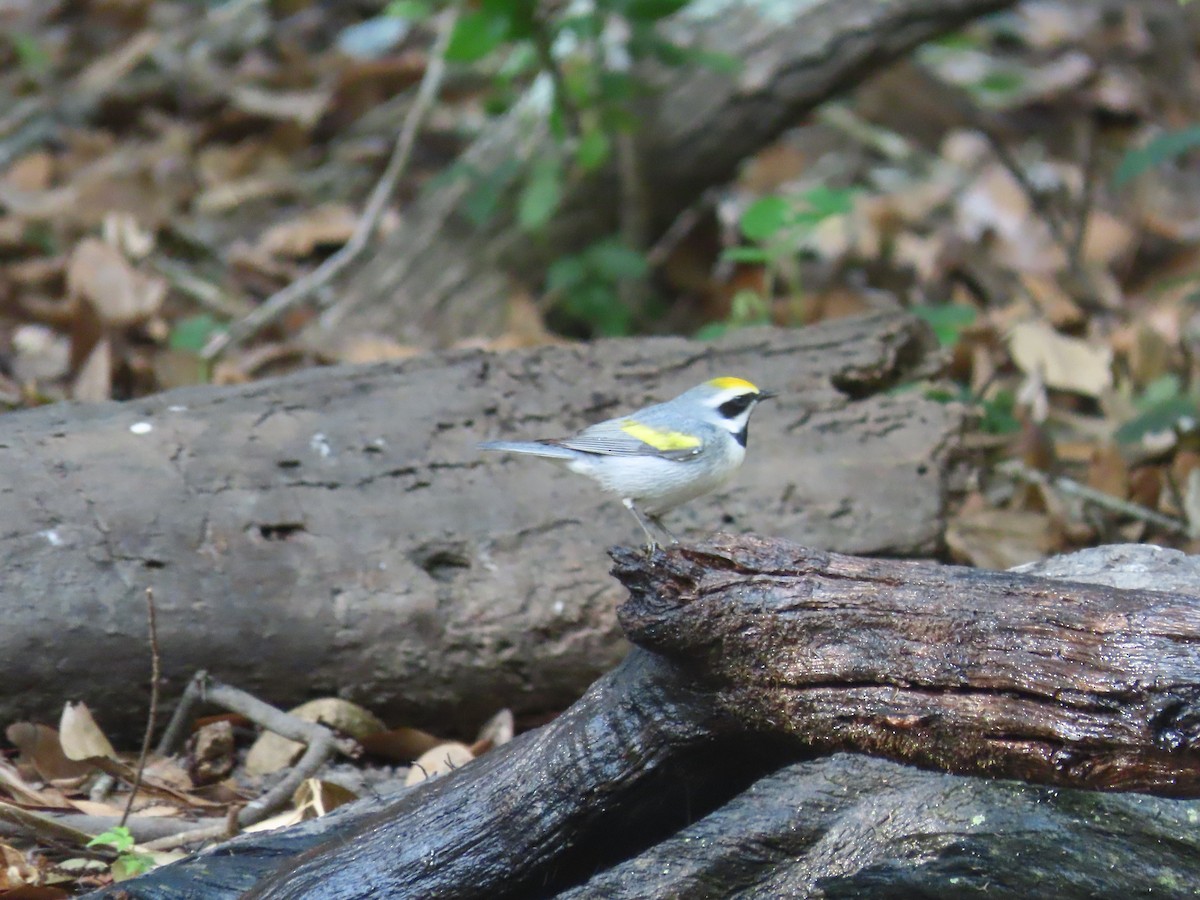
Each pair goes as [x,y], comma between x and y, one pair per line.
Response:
[338,532]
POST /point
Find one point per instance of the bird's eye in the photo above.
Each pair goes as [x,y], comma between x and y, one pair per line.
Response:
[731,409]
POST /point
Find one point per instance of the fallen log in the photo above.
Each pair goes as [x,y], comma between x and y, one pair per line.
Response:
[337,532]
[955,669]
[650,785]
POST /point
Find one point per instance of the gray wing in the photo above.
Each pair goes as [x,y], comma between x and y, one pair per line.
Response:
[608,439]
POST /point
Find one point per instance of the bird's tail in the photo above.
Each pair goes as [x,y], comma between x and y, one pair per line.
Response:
[533,448]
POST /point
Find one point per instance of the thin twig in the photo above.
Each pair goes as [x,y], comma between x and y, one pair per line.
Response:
[320,743]
[1091,158]
[1073,488]
[281,301]
[172,739]
[152,715]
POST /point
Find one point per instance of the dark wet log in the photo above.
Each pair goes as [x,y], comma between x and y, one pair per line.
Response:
[955,669]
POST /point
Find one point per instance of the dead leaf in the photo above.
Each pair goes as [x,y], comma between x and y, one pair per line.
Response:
[210,753]
[399,744]
[120,295]
[303,107]
[438,761]
[1062,363]
[40,748]
[499,729]
[329,225]
[270,752]
[1000,538]
[321,797]
[80,736]
[93,384]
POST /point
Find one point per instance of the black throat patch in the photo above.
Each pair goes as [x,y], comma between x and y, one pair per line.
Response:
[742,435]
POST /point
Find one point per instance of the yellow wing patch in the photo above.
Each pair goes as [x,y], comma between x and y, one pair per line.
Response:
[726,382]
[660,440]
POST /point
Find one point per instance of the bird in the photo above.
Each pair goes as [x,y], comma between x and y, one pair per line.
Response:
[660,456]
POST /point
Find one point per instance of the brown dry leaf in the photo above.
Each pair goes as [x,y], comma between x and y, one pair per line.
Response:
[80,736]
[438,761]
[1000,538]
[499,729]
[32,172]
[328,225]
[371,348]
[15,870]
[995,204]
[39,747]
[22,792]
[1109,472]
[1108,241]
[93,383]
[1052,301]
[120,295]
[302,107]
[1062,363]
[270,752]
[321,797]
[400,744]
[211,753]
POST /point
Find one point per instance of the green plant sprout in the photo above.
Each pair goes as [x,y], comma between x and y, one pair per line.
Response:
[129,863]
[776,226]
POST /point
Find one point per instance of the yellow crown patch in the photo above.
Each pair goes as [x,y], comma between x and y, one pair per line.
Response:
[726,382]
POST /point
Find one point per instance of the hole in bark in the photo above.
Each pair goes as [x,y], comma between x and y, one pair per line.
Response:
[154,564]
[442,561]
[279,531]
[288,464]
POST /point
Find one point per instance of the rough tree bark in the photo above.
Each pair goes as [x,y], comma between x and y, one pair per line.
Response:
[438,278]
[338,532]
[659,750]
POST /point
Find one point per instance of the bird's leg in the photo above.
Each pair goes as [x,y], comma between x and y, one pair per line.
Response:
[652,543]
[657,520]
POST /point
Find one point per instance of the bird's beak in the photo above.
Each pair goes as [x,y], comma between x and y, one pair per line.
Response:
[767,395]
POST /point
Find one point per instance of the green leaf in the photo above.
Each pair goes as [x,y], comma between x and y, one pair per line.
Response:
[613,261]
[998,414]
[566,273]
[193,333]
[32,55]
[1175,413]
[414,10]
[1163,389]
[119,837]
[598,305]
[750,255]
[1164,147]
[825,202]
[593,150]
[711,331]
[766,217]
[650,10]
[483,200]
[542,193]
[475,36]
[948,321]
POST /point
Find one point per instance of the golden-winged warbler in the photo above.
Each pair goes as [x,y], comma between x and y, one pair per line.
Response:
[661,456]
